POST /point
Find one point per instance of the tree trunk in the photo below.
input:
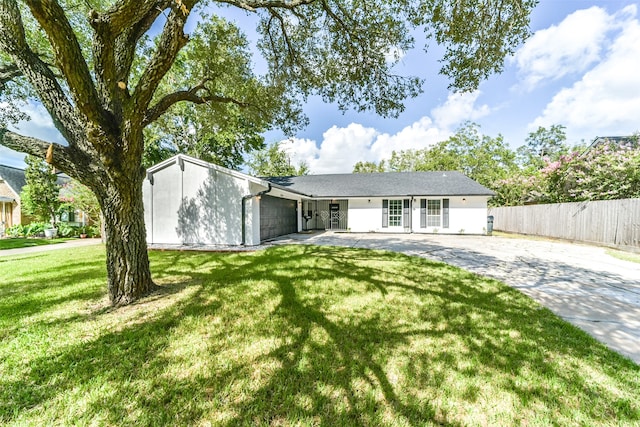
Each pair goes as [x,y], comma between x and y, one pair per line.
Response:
[128,274]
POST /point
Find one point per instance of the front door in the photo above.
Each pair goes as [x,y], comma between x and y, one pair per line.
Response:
[334,215]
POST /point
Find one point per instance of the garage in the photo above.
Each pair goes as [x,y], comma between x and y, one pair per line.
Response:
[277,217]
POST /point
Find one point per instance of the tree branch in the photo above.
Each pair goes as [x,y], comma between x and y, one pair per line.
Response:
[116,36]
[8,72]
[14,43]
[252,6]
[71,62]
[190,95]
[68,159]
[169,44]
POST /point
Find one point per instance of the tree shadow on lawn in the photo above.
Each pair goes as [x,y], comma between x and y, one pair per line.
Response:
[326,336]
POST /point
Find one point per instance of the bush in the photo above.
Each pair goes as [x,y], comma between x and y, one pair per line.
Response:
[66,230]
[15,231]
[35,229]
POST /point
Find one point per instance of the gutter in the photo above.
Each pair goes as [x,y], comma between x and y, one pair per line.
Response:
[244,205]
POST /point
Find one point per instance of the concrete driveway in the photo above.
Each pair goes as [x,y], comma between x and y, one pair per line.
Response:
[582,284]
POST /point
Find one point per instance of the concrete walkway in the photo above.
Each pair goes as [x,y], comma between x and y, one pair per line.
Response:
[76,243]
[582,284]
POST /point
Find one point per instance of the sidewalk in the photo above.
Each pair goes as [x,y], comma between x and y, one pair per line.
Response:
[77,243]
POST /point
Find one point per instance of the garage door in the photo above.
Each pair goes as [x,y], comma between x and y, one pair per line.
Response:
[277,217]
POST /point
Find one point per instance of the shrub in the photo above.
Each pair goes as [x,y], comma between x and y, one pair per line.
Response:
[15,231]
[66,230]
[34,229]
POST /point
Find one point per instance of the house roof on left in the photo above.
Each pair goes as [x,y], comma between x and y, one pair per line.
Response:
[15,178]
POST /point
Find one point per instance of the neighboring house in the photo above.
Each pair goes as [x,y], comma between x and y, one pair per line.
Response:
[189,201]
[12,180]
[619,141]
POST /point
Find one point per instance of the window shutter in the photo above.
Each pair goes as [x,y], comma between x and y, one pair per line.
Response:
[445,213]
[423,213]
[72,216]
[405,214]
[385,213]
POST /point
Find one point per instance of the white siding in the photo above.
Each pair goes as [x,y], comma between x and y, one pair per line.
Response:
[468,216]
[166,193]
[365,215]
[198,205]
[465,217]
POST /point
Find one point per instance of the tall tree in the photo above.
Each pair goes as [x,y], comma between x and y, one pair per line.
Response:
[41,196]
[369,167]
[543,143]
[483,158]
[274,161]
[104,76]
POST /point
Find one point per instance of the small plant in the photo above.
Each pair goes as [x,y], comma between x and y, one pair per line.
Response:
[461,231]
[15,231]
[34,229]
[435,230]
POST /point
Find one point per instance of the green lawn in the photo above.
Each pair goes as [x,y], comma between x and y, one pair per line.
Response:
[625,256]
[296,335]
[21,242]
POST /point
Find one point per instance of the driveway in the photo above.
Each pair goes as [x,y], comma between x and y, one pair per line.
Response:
[582,284]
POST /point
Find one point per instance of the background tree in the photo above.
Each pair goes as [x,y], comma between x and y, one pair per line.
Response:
[369,167]
[104,76]
[481,157]
[78,196]
[41,196]
[543,144]
[274,161]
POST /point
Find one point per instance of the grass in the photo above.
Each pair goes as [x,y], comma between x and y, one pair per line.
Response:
[295,335]
[21,242]
[625,256]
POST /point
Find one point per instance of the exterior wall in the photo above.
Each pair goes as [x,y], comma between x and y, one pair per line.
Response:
[465,217]
[365,215]
[15,216]
[198,205]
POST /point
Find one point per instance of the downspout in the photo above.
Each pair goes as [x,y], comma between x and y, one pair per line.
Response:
[244,214]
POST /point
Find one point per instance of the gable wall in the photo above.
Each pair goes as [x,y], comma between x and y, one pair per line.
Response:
[198,205]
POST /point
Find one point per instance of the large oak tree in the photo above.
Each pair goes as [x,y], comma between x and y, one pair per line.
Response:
[106,70]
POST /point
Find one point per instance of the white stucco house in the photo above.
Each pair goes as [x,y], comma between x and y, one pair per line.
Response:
[189,201]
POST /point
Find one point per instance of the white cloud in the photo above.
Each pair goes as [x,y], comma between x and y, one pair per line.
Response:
[341,148]
[420,134]
[458,108]
[607,98]
[569,47]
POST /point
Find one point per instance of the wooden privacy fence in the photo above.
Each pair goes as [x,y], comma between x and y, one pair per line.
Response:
[613,223]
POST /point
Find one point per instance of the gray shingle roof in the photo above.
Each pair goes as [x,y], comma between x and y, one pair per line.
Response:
[14,177]
[386,184]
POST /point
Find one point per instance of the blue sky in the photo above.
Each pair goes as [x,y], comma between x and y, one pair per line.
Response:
[579,69]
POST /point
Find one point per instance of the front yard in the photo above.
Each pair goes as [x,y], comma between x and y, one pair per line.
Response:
[27,242]
[296,335]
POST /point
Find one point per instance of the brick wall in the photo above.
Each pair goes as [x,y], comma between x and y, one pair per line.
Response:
[16,217]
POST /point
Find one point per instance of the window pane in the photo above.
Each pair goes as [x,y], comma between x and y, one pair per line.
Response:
[395,213]
[433,213]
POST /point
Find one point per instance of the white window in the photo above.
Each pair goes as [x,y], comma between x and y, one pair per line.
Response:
[395,213]
[433,213]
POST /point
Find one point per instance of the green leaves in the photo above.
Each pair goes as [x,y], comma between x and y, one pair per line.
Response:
[41,196]
[274,161]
